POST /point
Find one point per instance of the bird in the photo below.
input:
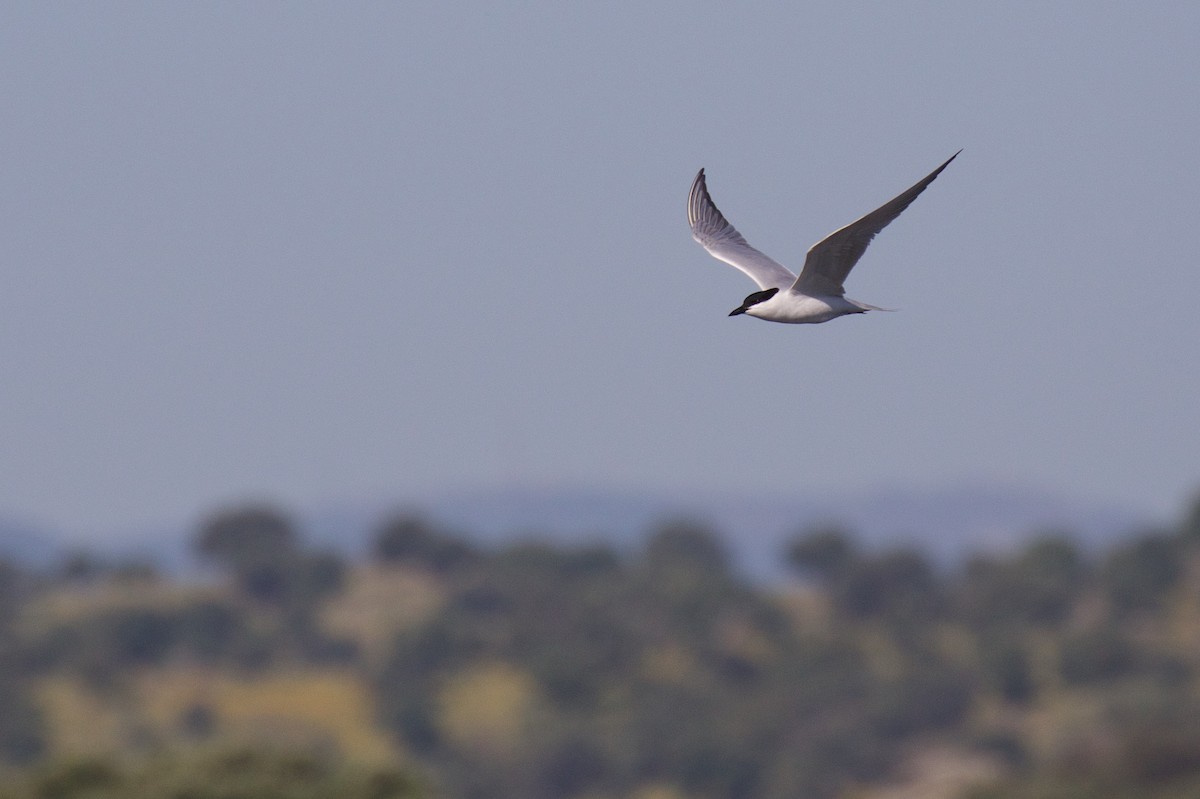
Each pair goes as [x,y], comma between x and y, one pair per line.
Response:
[816,295]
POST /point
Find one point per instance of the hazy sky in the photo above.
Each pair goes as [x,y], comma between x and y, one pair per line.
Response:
[310,252]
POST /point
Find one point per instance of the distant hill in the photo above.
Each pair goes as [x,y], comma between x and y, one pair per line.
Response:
[948,524]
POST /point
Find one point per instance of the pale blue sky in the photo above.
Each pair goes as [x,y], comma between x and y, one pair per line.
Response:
[311,252]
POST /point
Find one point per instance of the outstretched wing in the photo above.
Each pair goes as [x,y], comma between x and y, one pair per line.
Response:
[722,241]
[831,259]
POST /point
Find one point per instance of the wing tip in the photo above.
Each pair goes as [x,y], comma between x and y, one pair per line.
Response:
[932,175]
[696,199]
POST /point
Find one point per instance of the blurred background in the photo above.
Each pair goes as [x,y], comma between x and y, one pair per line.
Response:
[371,424]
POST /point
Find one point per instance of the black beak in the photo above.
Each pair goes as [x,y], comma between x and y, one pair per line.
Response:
[738,311]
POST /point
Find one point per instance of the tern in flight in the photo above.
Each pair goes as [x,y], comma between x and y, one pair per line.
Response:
[817,294]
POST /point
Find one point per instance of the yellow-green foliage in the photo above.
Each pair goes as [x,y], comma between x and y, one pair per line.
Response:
[736,637]
[668,663]
[77,720]
[326,709]
[377,602]
[222,774]
[937,772]
[487,708]
[658,791]
[80,602]
[301,706]
[883,654]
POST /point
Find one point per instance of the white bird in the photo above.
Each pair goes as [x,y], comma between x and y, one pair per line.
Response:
[817,294]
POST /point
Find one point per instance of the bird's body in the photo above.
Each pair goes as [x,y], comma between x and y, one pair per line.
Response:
[816,295]
[795,308]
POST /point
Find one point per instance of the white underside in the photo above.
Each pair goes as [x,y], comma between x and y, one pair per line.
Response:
[793,308]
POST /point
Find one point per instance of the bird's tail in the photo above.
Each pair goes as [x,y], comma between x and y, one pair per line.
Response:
[864,306]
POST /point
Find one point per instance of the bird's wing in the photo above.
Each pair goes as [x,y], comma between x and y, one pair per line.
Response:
[722,241]
[831,259]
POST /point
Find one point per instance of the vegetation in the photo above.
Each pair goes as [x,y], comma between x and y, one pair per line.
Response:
[232,774]
[555,672]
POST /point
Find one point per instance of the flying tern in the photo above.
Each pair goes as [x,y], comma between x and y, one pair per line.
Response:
[817,294]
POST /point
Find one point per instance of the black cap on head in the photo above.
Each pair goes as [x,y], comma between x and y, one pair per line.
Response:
[754,299]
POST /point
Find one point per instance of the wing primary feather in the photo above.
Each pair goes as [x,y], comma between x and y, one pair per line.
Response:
[706,219]
[831,259]
[722,240]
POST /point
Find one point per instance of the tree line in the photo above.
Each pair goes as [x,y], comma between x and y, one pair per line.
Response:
[550,671]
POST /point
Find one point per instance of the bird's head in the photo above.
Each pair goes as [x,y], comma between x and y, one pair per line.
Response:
[754,299]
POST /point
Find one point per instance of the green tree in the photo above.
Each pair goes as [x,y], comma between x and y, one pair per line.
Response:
[409,539]
[900,586]
[823,553]
[261,548]
[684,545]
[1139,575]
[1037,586]
[257,544]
